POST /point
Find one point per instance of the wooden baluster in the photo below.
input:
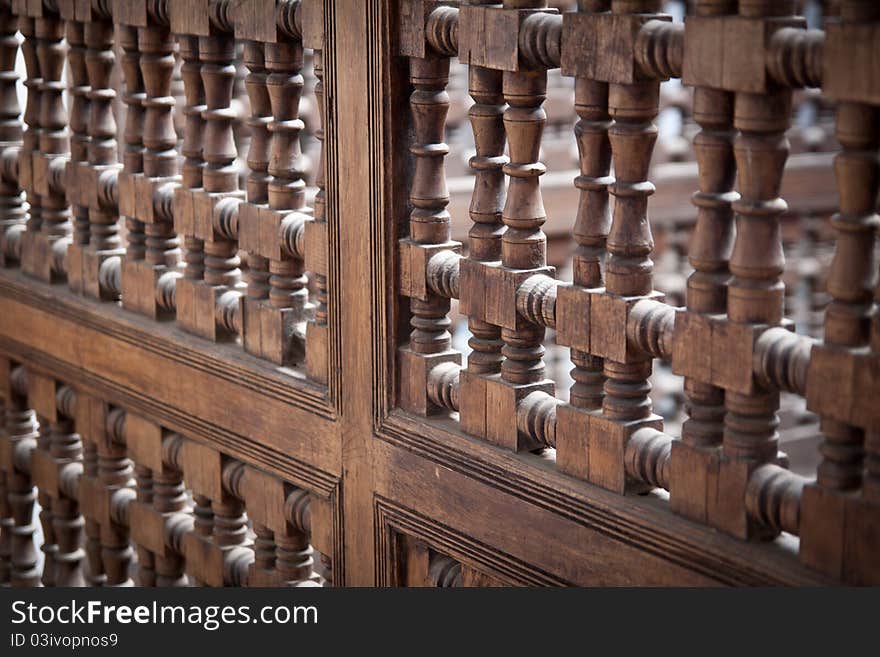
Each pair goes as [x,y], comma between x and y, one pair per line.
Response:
[12,211]
[755,292]
[104,240]
[49,547]
[257,181]
[22,432]
[429,225]
[169,499]
[115,473]
[193,163]
[484,237]
[149,196]
[217,54]
[208,217]
[31,138]
[835,532]
[283,318]
[592,223]
[203,522]
[6,525]
[263,570]
[89,489]
[65,448]
[694,458]
[78,92]
[133,153]
[146,560]
[316,236]
[295,556]
[43,254]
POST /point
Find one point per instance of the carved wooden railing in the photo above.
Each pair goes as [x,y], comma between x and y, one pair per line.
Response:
[191,427]
[731,342]
[116,488]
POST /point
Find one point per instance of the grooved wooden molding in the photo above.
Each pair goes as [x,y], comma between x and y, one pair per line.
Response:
[226,361]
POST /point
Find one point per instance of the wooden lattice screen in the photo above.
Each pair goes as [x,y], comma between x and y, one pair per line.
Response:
[229,279]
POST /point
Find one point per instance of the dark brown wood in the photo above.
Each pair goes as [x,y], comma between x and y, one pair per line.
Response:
[216,373]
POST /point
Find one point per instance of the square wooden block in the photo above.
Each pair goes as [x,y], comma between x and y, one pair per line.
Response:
[147,527]
[203,470]
[36,257]
[146,194]
[42,396]
[473,275]
[849,62]
[609,314]
[91,269]
[861,565]
[317,352]
[606,448]
[603,46]
[316,258]
[312,16]
[414,370]
[249,227]
[272,333]
[489,36]
[573,440]
[204,559]
[264,496]
[727,508]
[184,212]
[196,305]
[414,257]
[822,529]
[501,287]
[204,208]
[503,398]
[127,191]
[144,441]
[44,473]
[573,317]
[472,411]
[75,264]
[693,478]
[139,279]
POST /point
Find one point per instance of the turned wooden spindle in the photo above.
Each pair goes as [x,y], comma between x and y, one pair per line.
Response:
[78,92]
[133,152]
[524,244]
[156,47]
[31,137]
[257,184]
[429,226]
[836,522]
[94,564]
[317,331]
[217,54]
[429,221]
[286,188]
[104,239]
[43,254]
[20,427]
[192,146]
[65,447]
[629,243]
[708,253]
[12,211]
[592,223]
[486,117]
[755,292]
[169,499]
[146,561]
